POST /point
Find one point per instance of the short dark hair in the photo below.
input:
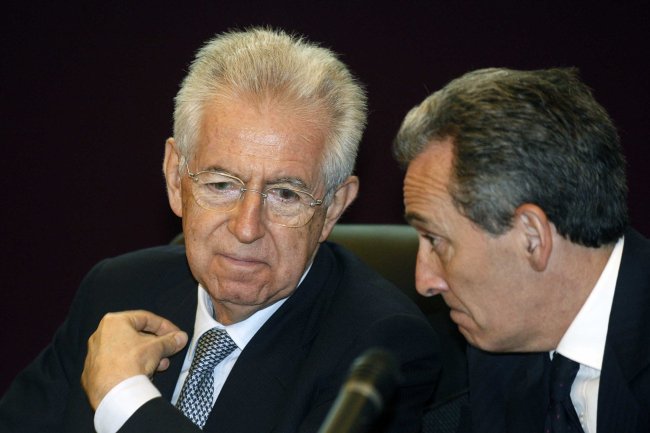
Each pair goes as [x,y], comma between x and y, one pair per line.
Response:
[521,137]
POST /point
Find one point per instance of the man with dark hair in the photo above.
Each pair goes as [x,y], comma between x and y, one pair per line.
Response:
[263,315]
[516,186]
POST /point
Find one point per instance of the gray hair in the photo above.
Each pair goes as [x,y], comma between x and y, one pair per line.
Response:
[261,65]
[521,137]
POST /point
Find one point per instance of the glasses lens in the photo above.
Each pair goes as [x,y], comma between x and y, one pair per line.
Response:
[289,207]
[215,191]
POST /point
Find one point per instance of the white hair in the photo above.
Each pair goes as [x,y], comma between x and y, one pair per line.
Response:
[261,65]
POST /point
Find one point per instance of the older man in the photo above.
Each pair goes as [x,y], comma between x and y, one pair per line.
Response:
[516,186]
[266,133]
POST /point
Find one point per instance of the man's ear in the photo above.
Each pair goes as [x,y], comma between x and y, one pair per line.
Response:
[537,235]
[172,176]
[343,197]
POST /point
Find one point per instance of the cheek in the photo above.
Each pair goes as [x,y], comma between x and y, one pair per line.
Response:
[203,230]
[194,229]
[294,247]
[196,243]
[317,223]
[472,283]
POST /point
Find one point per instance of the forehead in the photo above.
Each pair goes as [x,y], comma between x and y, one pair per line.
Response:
[258,137]
[426,186]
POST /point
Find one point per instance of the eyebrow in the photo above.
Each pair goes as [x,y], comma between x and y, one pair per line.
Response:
[219,169]
[295,182]
[421,222]
[413,217]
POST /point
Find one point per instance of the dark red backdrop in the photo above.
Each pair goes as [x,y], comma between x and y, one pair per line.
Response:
[87,99]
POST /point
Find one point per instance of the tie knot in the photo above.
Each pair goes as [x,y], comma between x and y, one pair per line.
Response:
[563,373]
[213,346]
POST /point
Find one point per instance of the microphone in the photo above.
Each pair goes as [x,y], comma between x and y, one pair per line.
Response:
[372,381]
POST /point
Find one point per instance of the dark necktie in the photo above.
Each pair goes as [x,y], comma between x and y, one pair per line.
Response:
[561,416]
[195,400]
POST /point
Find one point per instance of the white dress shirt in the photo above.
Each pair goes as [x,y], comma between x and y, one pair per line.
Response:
[129,395]
[584,341]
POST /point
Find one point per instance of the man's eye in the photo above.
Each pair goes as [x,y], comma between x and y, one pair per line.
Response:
[285,194]
[220,186]
[433,240]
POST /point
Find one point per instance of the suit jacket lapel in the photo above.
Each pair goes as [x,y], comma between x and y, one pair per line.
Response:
[527,395]
[256,385]
[178,304]
[272,360]
[509,392]
[617,408]
[627,349]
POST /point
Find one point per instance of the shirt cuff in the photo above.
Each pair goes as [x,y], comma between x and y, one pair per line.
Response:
[122,401]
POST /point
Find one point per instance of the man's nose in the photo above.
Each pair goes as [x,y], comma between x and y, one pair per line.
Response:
[429,272]
[247,224]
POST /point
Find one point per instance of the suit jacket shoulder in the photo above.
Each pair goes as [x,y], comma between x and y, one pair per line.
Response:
[624,394]
[47,395]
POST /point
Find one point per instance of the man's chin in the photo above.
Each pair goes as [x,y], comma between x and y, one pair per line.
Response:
[244,294]
[476,342]
[467,327]
[487,344]
[239,279]
[468,336]
[463,320]
[232,305]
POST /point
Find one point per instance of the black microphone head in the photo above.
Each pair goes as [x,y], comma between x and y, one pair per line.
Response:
[378,368]
[372,381]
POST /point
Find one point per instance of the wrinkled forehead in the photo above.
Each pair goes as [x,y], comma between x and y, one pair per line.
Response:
[434,163]
[426,184]
[260,138]
[265,123]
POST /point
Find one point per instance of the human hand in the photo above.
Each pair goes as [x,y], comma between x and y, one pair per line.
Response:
[127,344]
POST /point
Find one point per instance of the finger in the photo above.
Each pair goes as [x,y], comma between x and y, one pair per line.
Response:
[149,322]
[163,365]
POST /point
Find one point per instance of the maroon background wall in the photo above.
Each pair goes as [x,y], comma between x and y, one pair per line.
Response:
[87,100]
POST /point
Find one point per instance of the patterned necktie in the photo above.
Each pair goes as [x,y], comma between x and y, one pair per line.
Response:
[561,416]
[195,400]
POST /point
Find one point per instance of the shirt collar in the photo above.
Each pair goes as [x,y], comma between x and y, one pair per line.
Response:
[584,341]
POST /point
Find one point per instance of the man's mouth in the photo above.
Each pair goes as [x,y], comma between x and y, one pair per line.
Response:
[241,260]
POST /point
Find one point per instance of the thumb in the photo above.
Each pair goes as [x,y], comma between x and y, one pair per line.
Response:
[172,343]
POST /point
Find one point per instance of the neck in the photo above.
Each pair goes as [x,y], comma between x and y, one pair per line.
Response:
[573,274]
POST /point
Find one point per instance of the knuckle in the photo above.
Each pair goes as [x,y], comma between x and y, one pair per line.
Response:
[108,318]
[92,338]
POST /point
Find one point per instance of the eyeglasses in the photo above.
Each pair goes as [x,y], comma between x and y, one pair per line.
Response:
[221,192]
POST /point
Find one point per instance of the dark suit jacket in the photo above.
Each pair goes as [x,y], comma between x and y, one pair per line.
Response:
[286,378]
[509,393]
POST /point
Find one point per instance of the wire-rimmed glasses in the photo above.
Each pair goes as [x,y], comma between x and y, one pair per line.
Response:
[223,192]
